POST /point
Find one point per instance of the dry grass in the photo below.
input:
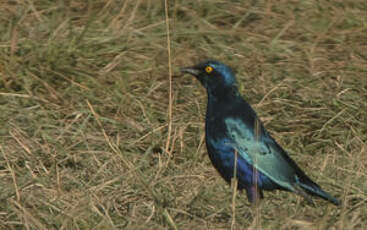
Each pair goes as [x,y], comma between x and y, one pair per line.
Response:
[84,95]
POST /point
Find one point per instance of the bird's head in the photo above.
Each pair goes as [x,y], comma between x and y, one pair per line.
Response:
[212,74]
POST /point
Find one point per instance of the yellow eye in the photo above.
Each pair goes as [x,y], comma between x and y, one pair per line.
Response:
[208,69]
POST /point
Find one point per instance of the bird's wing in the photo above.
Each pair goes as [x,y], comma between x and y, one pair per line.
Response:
[263,153]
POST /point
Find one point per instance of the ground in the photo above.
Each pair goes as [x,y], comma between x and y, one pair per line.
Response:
[91,139]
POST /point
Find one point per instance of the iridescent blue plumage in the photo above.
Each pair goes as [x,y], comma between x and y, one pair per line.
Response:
[232,126]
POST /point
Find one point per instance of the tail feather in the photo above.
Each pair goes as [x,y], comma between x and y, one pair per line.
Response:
[316,190]
[300,191]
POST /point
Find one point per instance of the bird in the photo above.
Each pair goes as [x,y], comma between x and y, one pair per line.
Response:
[238,144]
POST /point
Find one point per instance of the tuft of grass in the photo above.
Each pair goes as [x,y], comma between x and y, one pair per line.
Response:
[84,101]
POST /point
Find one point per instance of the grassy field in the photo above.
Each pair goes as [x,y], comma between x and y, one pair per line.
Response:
[86,136]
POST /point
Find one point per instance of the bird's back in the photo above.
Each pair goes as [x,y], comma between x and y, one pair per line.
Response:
[221,145]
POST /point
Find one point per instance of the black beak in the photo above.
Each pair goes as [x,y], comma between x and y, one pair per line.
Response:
[191,70]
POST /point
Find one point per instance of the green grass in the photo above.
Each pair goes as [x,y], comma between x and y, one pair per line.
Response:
[84,95]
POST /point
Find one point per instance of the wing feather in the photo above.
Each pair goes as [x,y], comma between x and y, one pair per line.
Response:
[262,152]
